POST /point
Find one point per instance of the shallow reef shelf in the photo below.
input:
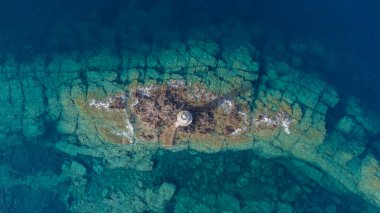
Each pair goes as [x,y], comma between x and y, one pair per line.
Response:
[115,107]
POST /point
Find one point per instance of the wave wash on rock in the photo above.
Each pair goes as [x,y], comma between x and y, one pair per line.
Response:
[114,108]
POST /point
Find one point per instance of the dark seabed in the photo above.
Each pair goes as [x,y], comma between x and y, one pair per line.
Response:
[284,97]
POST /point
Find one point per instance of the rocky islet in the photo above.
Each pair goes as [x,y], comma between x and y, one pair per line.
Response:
[241,99]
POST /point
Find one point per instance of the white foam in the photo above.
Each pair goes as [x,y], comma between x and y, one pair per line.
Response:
[280,119]
[100,104]
[105,104]
[129,133]
[286,125]
[146,90]
[236,131]
[177,83]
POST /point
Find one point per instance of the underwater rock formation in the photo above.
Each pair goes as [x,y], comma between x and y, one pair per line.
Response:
[113,108]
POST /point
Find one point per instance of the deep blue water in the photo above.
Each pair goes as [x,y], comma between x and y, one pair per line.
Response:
[350,29]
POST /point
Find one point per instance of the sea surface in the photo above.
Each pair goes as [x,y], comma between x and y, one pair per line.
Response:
[36,176]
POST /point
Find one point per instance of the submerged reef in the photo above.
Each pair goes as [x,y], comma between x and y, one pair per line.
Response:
[107,112]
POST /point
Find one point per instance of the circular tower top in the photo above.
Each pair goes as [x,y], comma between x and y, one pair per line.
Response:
[184,118]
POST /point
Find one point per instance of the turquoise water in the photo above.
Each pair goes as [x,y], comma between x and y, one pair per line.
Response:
[319,58]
